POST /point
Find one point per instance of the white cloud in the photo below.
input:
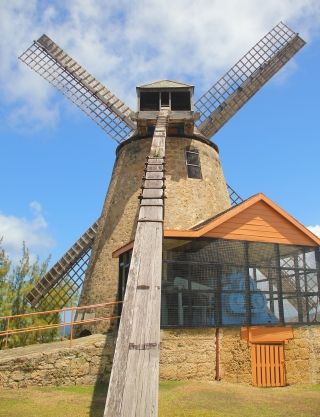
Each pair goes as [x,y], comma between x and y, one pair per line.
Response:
[127,42]
[34,232]
[315,229]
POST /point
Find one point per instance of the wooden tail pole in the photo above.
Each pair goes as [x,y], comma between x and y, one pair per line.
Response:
[133,387]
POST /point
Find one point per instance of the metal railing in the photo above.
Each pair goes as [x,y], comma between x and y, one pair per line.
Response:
[65,321]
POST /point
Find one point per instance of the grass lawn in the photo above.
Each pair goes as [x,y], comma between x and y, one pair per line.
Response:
[177,399]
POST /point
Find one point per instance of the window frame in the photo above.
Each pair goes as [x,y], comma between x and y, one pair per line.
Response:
[195,151]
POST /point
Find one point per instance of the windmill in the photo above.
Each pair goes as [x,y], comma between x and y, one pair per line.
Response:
[165,158]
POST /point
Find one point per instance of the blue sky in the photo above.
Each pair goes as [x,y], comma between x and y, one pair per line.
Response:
[56,164]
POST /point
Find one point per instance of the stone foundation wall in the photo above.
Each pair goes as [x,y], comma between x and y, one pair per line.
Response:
[88,359]
[191,354]
[302,356]
[185,354]
[235,357]
[188,354]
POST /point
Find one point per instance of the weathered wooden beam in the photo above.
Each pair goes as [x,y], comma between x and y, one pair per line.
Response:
[133,386]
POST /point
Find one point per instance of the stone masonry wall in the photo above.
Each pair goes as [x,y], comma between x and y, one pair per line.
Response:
[189,201]
[235,357]
[88,360]
[302,356]
[191,354]
[185,354]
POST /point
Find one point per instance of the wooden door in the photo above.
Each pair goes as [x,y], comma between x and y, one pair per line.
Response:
[268,366]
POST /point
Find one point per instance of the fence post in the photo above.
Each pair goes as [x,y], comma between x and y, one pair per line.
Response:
[71,330]
[64,325]
[7,335]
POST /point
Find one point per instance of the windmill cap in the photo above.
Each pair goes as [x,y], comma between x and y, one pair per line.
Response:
[165,84]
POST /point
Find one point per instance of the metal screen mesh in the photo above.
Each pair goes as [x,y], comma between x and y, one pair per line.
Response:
[246,77]
[68,288]
[216,282]
[38,59]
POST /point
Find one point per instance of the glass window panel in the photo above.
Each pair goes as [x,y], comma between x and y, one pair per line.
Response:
[193,158]
[194,172]
[193,163]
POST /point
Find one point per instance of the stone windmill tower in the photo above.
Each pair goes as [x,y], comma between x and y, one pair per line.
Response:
[166,160]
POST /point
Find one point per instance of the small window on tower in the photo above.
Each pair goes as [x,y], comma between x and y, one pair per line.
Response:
[193,163]
[180,100]
[149,101]
[165,98]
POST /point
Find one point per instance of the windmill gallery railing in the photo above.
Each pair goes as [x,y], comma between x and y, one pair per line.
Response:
[69,318]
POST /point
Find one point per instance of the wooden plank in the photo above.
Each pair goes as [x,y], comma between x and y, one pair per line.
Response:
[134,380]
[254,364]
[198,233]
[152,193]
[256,221]
[282,366]
[143,356]
[258,230]
[153,184]
[155,161]
[154,175]
[267,334]
[263,365]
[272,366]
[152,202]
[276,365]
[154,168]
[247,228]
[122,249]
[231,236]
[253,236]
[268,366]
[151,213]
[259,377]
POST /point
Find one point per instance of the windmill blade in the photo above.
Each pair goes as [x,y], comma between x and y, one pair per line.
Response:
[235,198]
[246,77]
[52,63]
[66,277]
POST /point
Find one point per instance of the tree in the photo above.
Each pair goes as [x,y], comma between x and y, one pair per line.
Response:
[16,280]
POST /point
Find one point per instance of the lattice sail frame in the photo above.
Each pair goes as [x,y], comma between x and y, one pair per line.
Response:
[235,198]
[47,59]
[246,77]
[67,289]
[64,280]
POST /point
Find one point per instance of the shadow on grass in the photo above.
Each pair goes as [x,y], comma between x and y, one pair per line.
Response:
[100,390]
[98,401]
